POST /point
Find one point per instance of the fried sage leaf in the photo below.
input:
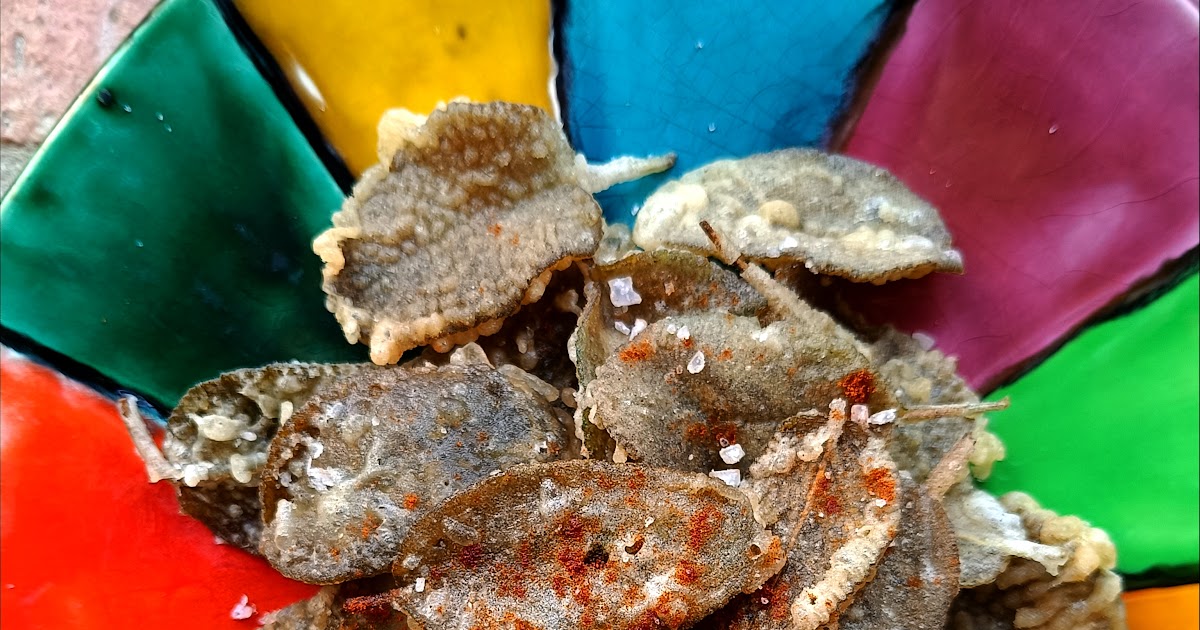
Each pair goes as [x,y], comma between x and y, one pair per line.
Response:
[836,523]
[1082,594]
[921,375]
[350,470]
[646,287]
[583,544]
[989,536]
[356,605]
[838,215]
[691,385]
[917,578]
[466,222]
[217,439]
[537,337]
[631,293]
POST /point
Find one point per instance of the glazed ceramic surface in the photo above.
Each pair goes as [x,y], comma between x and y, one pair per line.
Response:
[163,235]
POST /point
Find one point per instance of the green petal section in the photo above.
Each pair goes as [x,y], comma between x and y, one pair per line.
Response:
[1106,429]
[163,235]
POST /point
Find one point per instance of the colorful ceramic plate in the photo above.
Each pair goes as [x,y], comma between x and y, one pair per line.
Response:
[162,235]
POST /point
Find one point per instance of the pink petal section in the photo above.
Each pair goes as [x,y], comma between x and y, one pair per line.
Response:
[1060,141]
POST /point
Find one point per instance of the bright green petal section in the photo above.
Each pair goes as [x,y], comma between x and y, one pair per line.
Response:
[165,237]
[1106,429]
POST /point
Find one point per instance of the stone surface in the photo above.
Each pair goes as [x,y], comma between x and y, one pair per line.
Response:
[13,158]
[171,229]
[1062,158]
[1107,429]
[49,51]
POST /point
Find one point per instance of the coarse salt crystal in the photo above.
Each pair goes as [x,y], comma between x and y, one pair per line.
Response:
[880,502]
[759,335]
[420,585]
[322,479]
[730,477]
[621,327]
[684,334]
[622,293]
[732,454]
[859,413]
[696,364]
[924,340]
[243,610]
[789,242]
[886,416]
[638,326]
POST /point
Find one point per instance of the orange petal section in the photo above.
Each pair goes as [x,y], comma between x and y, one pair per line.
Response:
[351,61]
[88,542]
[1175,608]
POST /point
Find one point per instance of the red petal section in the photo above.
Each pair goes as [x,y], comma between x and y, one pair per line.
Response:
[1059,140]
[88,543]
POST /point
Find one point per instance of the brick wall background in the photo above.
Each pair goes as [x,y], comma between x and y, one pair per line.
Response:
[49,50]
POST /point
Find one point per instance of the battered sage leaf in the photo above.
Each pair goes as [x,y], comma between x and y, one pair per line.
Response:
[352,469]
[836,214]
[583,544]
[479,204]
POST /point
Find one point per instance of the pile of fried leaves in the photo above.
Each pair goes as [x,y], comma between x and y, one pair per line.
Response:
[574,425]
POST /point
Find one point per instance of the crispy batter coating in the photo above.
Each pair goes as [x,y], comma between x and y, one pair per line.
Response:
[838,215]
[615,244]
[1083,594]
[917,579]
[922,375]
[462,226]
[583,544]
[536,338]
[689,385]
[989,536]
[353,468]
[357,605]
[837,521]
[217,439]
[649,286]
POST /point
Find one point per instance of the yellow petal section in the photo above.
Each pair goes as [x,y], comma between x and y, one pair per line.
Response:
[351,61]
[1175,608]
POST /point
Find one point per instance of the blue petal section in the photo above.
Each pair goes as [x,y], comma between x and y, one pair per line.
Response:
[707,80]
